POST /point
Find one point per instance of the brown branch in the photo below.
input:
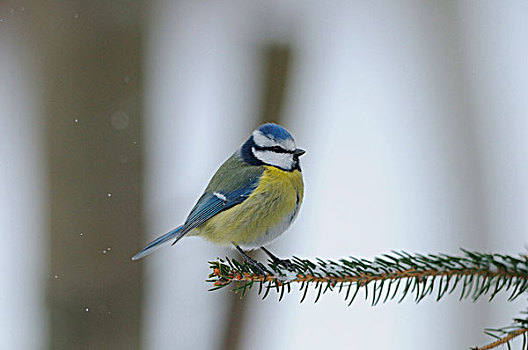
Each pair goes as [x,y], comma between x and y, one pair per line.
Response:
[365,278]
[503,340]
[487,270]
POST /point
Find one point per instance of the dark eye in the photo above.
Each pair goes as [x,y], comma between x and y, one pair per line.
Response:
[277,149]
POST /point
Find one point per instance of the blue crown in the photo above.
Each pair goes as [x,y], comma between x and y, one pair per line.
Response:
[275,131]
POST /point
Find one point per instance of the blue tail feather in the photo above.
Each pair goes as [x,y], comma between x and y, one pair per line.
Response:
[159,242]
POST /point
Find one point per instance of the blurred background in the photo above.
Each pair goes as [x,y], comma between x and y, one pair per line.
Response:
[115,114]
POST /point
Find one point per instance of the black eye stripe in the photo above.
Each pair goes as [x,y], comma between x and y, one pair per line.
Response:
[276,149]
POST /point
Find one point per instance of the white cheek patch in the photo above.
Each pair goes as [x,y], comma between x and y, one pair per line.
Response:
[262,140]
[282,160]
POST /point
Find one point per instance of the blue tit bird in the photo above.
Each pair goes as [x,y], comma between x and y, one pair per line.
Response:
[251,199]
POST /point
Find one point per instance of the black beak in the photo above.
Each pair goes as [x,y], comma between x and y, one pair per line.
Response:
[299,152]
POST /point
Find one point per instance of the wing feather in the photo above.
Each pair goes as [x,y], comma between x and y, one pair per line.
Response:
[210,204]
[233,182]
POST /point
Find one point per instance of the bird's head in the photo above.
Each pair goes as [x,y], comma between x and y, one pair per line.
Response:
[271,144]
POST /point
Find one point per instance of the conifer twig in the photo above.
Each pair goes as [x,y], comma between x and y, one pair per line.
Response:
[383,278]
[505,340]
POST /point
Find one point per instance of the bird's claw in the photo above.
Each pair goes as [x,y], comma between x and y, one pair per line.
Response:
[286,263]
[253,263]
[258,266]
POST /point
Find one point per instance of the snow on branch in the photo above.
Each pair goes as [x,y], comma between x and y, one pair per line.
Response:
[399,274]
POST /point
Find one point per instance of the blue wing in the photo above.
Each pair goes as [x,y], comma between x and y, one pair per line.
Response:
[212,203]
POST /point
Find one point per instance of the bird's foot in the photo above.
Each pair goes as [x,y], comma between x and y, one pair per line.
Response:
[278,261]
[255,264]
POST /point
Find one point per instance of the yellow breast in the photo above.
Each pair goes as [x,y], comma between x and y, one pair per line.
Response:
[263,216]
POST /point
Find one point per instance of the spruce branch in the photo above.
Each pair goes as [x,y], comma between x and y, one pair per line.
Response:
[401,274]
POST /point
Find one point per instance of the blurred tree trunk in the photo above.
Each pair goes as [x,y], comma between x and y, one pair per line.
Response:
[277,65]
[93,102]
